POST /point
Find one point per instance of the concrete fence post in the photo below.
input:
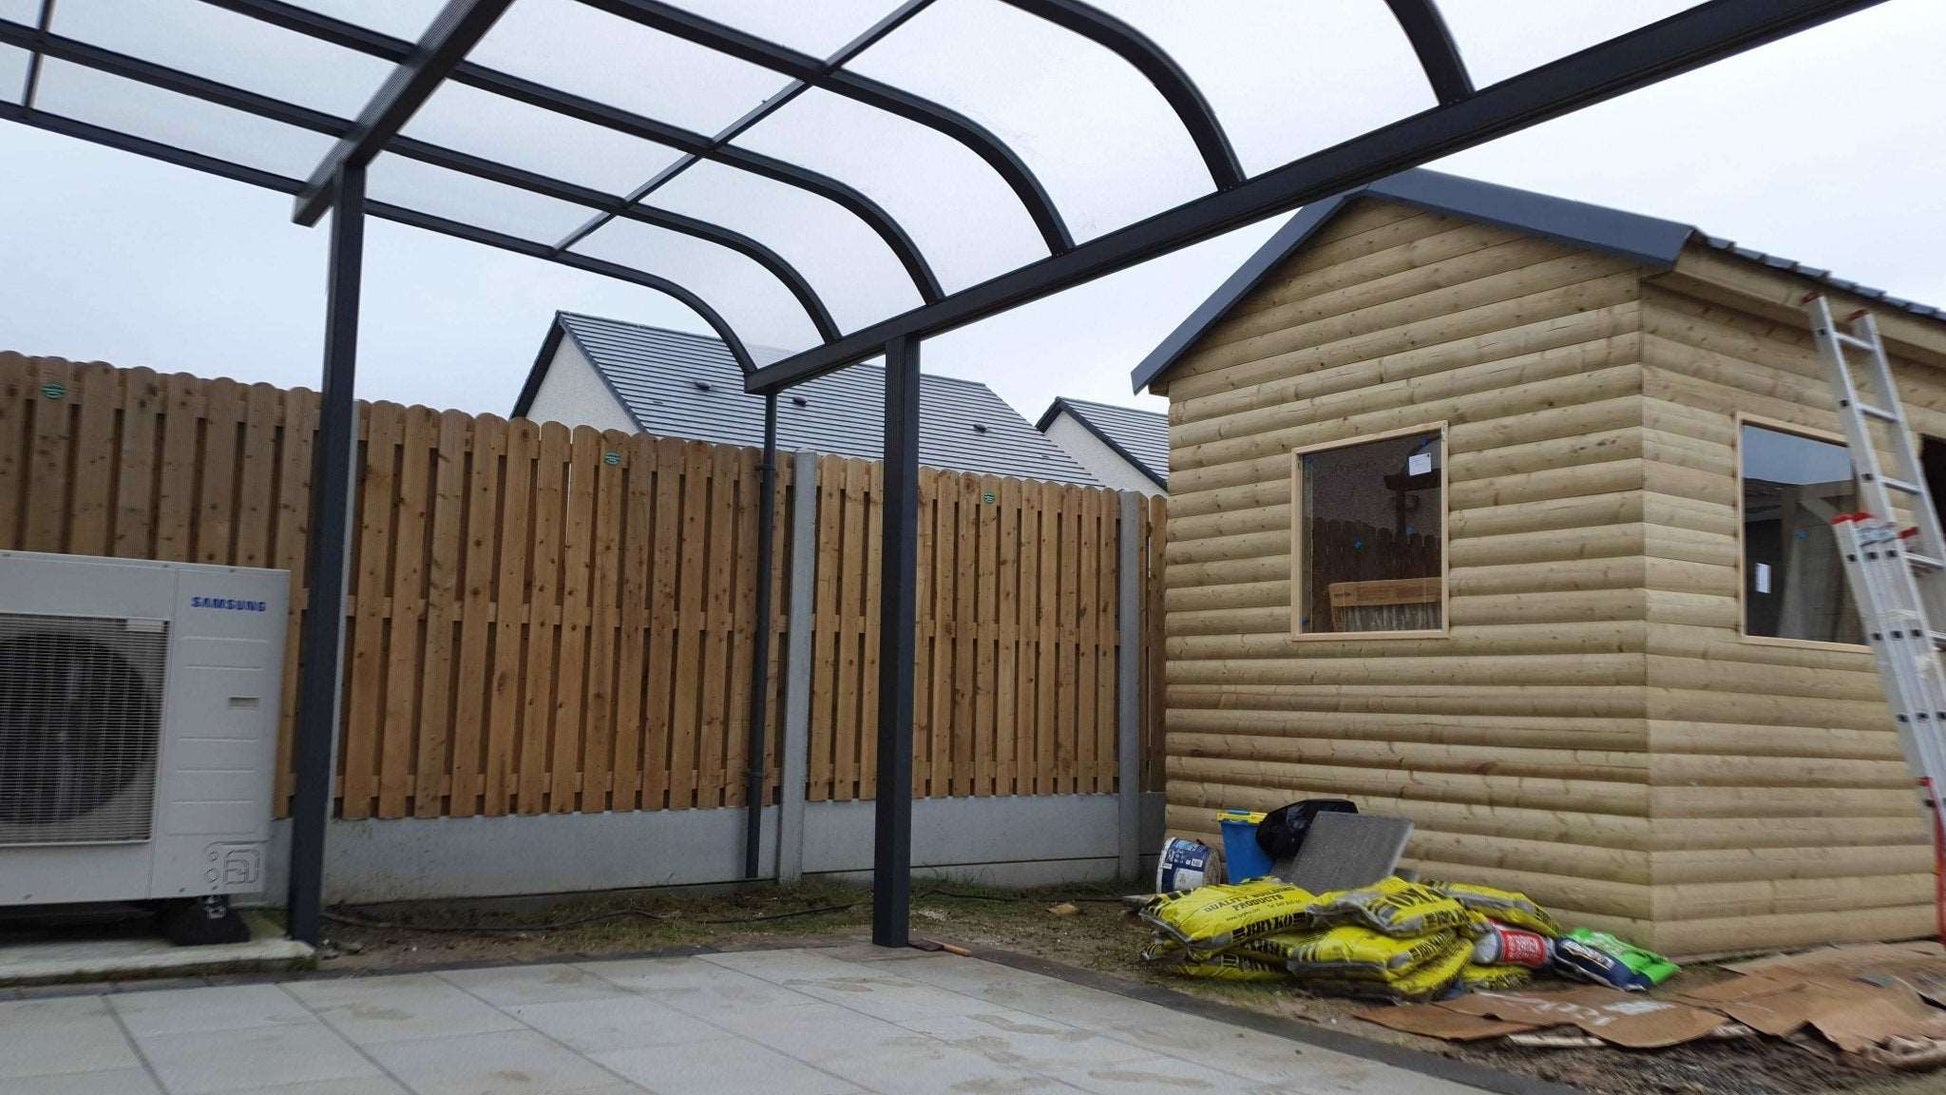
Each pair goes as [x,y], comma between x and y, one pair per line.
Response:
[1128,689]
[796,744]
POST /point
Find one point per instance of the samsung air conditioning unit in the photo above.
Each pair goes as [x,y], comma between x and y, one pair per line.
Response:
[138,728]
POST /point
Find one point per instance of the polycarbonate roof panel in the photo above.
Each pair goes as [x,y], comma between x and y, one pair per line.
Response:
[399,18]
[820,28]
[573,47]
[545,142]
[1502,38]
[856,275]
[181,121]
[757,306]
[456,196]
[1287,79]
[228,48]
[27,12]
[13,73]
[960,212]
[1102,140]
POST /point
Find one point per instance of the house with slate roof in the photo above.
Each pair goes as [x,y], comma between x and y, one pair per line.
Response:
[1123,447]
[626,376]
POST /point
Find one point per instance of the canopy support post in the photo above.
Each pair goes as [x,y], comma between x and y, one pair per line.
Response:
[753,789]
[321,645]
[898,611]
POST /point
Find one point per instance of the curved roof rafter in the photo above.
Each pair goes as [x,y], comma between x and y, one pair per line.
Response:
[851,199]
[1161,70]
[893,100]
[1438,54]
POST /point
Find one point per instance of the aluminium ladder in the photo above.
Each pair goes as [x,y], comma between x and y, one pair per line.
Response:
[1897,575]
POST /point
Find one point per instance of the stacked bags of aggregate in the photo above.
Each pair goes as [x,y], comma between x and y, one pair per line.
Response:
[1394,939]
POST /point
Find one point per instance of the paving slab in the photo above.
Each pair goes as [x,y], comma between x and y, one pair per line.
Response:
[797,1021]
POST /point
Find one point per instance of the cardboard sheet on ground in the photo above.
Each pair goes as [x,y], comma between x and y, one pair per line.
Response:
[1435,1021]
[1635,1021]
[1853,1015]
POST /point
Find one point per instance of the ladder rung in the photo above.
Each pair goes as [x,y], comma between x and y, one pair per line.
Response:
[1938,639]
[1879,413]
[1900,485]
[1852,340]
[1926,562]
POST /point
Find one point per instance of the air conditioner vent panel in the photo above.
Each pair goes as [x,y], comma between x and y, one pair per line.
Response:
[80,722]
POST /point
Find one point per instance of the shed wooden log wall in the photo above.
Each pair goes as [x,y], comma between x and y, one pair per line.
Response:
[1593,729]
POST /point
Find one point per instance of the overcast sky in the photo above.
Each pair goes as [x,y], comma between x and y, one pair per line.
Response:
[1828,147]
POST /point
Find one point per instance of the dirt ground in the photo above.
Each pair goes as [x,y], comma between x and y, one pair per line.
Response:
[1098,937]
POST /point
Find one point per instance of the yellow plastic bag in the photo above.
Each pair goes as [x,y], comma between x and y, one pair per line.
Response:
[1506,906]
[1478,978]
[1349,951]
[1393,907]
[1421,983]
[1213,918]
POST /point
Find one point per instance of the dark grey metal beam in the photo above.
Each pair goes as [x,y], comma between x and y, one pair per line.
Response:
[1161,70]
[321,645]
[897,628]
[32,83]
[1438,54]
[847,197]
[893,100]
[1706,33]
[458,27]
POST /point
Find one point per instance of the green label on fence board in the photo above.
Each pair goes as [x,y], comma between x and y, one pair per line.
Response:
[54,391]
[986,497]
[611,458]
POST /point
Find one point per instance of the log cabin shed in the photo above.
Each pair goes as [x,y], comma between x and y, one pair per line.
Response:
[1508,514]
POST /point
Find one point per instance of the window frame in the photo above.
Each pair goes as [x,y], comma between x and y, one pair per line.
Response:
[1298,591]
[1775,425]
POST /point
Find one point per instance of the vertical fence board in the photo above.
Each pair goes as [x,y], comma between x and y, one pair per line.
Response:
[985,576]
[17,384]
[543,615]
[404,606]
[945,609]
[445,554]
[1153,635]
[693,591]
[215,521]
[90,526]
[175,499]
[824,648]
[52,417]
[637,502]
[571,663]
[366,642]
[263,411]
[513,598]
[742,627]
[141,403]
[924,634]
[1107,639]
[717,623]
[473,686]
[290,547]
[872,503]
[598,788]
[848,625]
[671,457]
[1006,576]
[966,543]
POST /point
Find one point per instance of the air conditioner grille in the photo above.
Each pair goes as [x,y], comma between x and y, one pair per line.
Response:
[80,719]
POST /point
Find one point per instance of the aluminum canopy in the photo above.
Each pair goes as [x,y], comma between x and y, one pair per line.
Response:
[816,176]
[838,179]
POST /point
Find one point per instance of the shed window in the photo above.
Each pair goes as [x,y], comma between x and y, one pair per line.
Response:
[1793,580]
[1370,550]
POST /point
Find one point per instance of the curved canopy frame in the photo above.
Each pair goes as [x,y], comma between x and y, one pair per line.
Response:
[1464,115]
[572,208]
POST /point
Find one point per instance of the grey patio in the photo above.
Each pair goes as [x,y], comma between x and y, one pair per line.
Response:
[813,1021]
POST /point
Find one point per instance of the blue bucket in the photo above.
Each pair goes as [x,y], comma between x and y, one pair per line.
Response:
[1243,859]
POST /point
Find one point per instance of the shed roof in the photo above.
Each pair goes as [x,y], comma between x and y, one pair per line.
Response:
[678,384]
[1652,241]
[1139,437]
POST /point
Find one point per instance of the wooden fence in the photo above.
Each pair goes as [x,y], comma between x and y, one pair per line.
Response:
[554,620]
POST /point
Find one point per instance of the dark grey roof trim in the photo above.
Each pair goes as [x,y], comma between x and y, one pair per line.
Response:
[1062,404]
[538,372]
[1651,241]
